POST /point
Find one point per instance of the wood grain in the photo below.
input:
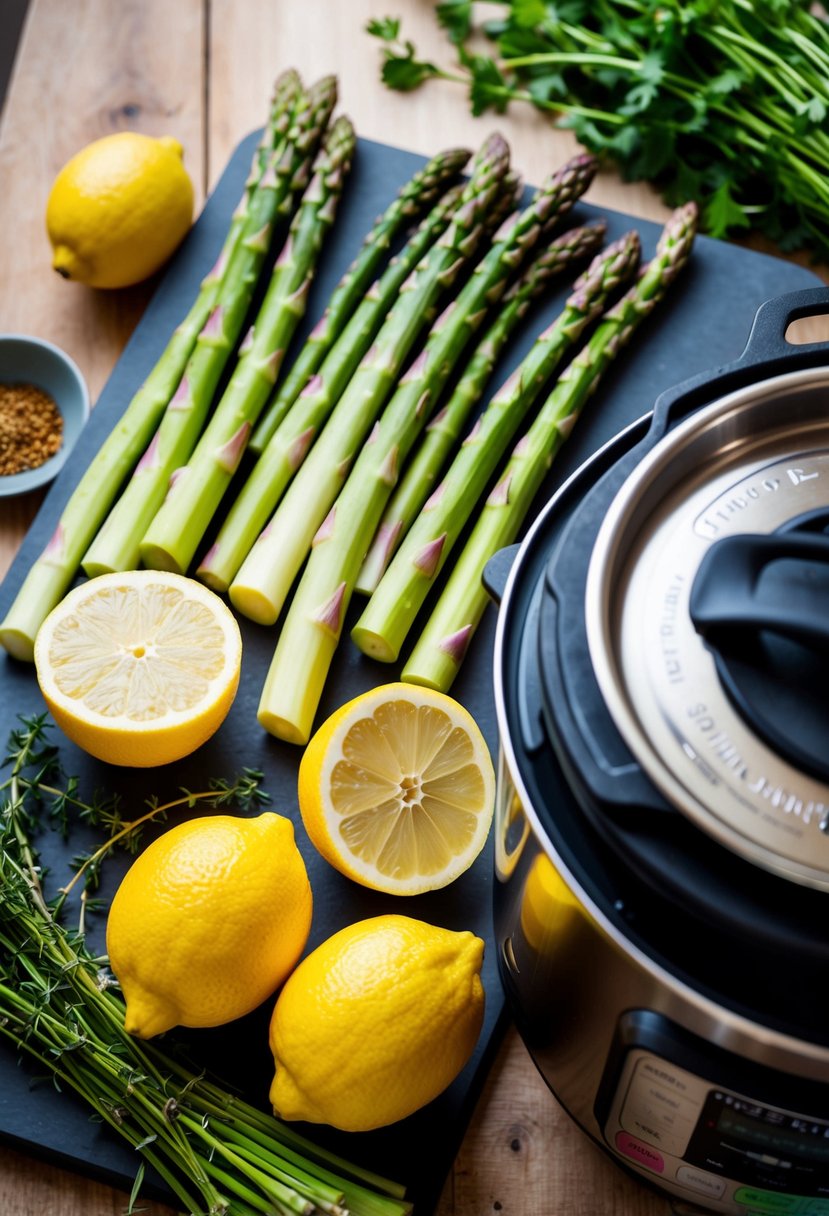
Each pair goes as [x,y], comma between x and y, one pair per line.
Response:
[85,70]
[202,70]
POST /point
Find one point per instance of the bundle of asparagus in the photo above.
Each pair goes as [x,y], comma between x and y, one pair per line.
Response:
[394,604]
[294,431]
[444,430]
[265,578]
[440,650]
[117,545]
[191,363]
[414,198]
[172,537]
[315,618]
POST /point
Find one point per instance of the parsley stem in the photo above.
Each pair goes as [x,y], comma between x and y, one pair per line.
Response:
[683,89]
[750,48]
[807,47]
[557,106]
[725,102]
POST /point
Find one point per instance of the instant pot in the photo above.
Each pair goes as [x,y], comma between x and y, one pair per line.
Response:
[662,825]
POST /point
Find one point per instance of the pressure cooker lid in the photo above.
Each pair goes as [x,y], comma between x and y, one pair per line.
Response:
[707,621]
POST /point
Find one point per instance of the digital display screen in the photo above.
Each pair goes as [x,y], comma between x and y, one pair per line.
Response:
[774,1133]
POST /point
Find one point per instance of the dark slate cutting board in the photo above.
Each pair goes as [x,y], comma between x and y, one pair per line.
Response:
[705,323]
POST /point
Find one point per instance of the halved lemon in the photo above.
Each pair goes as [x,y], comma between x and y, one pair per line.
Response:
[139,668]
[397,789]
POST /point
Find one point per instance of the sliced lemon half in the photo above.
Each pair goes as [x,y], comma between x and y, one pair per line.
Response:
[139,668]
[397,789]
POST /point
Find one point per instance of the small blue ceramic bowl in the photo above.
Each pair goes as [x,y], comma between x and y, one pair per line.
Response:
[25,360]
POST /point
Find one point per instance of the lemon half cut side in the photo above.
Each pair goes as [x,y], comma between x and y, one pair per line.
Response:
[397,789]
[139,668]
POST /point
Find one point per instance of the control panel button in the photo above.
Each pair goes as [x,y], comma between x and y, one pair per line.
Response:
[767,1201]
[699,1181]
[640,1152]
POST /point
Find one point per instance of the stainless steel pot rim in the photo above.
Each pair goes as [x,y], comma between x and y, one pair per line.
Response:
[646,540]
[733,1031]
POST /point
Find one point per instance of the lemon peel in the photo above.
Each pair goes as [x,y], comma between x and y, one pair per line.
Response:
[376,1022]
[208,921]
[118,209]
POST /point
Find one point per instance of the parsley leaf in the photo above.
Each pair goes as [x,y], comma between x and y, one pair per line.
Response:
[727,82]
[528,13]
[489,88]
[404,72]
[387,28]
[722,213]
[716,100]
[456,18]
[814,111]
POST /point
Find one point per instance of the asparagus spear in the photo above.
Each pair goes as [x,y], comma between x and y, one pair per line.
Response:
[440,650]
[53,571]
[269,569]
[311,631]
[175,532]
[289,443]
[116,547]
[388,616]
[443,431]
[292,439]
[416,197]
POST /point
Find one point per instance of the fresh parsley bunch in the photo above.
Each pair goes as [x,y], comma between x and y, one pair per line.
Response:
[721,101]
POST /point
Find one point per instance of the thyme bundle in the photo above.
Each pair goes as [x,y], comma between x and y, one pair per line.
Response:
[60,1007]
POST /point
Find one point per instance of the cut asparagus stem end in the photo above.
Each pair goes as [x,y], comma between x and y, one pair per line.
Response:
[44,587]
[374,645]
[281,728]
[253,603]
[292,689]
[440,677]
[157,558]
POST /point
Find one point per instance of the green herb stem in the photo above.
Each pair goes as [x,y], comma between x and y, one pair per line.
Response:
[58,1006]
[723,103]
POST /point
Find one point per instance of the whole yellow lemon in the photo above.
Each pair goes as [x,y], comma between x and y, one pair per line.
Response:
[208,922]
[376,1022]
[118,209]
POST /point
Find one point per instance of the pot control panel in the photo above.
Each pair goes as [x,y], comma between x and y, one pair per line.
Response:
[713,1146]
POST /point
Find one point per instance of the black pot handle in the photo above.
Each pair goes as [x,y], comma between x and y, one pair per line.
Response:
[767,339]
[767,353]
[730,594]
[496,572]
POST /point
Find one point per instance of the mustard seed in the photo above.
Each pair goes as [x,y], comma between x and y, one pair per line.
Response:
[31,428]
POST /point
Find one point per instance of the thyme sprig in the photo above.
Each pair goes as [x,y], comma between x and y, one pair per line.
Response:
[244,792]
[60,1007]
[725,102]
[33,783]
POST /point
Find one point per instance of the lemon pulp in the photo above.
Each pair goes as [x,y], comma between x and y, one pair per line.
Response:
[139,668]
[398,791]
[138,655]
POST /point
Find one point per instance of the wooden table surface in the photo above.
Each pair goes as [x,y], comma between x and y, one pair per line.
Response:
[201,70]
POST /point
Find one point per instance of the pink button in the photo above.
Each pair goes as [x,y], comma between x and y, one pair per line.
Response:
[638,1151]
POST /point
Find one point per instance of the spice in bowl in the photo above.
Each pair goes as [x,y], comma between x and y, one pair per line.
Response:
[31,428]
